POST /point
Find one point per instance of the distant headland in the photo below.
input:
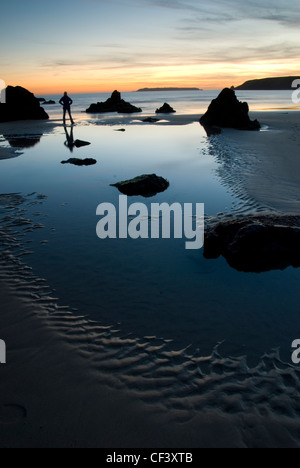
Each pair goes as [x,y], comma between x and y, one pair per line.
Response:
[144,90]
[269,84]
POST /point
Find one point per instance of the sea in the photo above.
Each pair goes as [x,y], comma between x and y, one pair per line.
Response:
[153,317]
[184,102]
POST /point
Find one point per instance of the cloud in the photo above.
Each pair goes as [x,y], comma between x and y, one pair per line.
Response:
[278,11]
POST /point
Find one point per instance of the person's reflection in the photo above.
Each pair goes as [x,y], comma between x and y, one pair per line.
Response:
[69,143]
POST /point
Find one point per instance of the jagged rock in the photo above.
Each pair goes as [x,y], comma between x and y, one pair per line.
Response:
[49,102]
[228,112]
[80,162]
[256,243]
[165,109]
[114,104]
[21,105]
[145,185]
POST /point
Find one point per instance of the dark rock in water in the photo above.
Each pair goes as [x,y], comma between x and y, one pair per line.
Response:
[114,104]
[80,162]
[256,243]
[41,99]
[80,143]
[49,102]
[122,130]
[228,112]
[165,109]
[151,120]
[145,185]
[21,105]
[23,141]
[212,130]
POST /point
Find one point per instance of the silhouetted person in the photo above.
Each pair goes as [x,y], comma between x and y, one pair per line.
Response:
[66,102]
[69,143]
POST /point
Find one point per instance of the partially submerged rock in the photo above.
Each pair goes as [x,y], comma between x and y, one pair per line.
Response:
[81,143]
[23,141]
[212,130]
[256,243]
[80,162]
[165,109]
[145,185]
[150,120]
[21,105]
[51,102]
[226,111]
[114,104]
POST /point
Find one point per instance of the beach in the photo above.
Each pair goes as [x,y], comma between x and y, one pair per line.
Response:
[72,380]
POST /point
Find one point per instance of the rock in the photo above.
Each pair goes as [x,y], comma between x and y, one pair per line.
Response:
[145,185]
[80,143]
[228,112]
[21,105]
[165,109]
[122,130]
[212,130]
[49,102]
[256,243]
[114,104]
[151,120]
[41,99]
[80,162]
[23,141]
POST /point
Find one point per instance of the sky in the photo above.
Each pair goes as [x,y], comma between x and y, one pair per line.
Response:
[102,45]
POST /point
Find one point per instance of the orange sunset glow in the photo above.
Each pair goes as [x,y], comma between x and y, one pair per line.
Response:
[97,46]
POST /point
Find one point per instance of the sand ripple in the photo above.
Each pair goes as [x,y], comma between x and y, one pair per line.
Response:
[181,382]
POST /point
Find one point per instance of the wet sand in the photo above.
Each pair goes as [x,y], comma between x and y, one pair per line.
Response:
[267,163]
[55,389]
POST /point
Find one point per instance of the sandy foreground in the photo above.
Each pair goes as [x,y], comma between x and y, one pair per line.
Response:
[51,394]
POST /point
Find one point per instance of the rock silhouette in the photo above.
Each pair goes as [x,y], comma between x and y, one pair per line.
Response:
[145,185]
[81,143]
[80,162]
[21,105]
[23,141]
[266,84]
[150,120]
[256,243]
[114,104]
[228,112]
[165,109]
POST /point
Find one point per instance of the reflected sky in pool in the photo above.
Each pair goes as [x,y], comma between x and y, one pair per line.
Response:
[148,287]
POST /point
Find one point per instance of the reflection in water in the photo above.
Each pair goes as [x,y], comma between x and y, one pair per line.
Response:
[69,143]
[23,141]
